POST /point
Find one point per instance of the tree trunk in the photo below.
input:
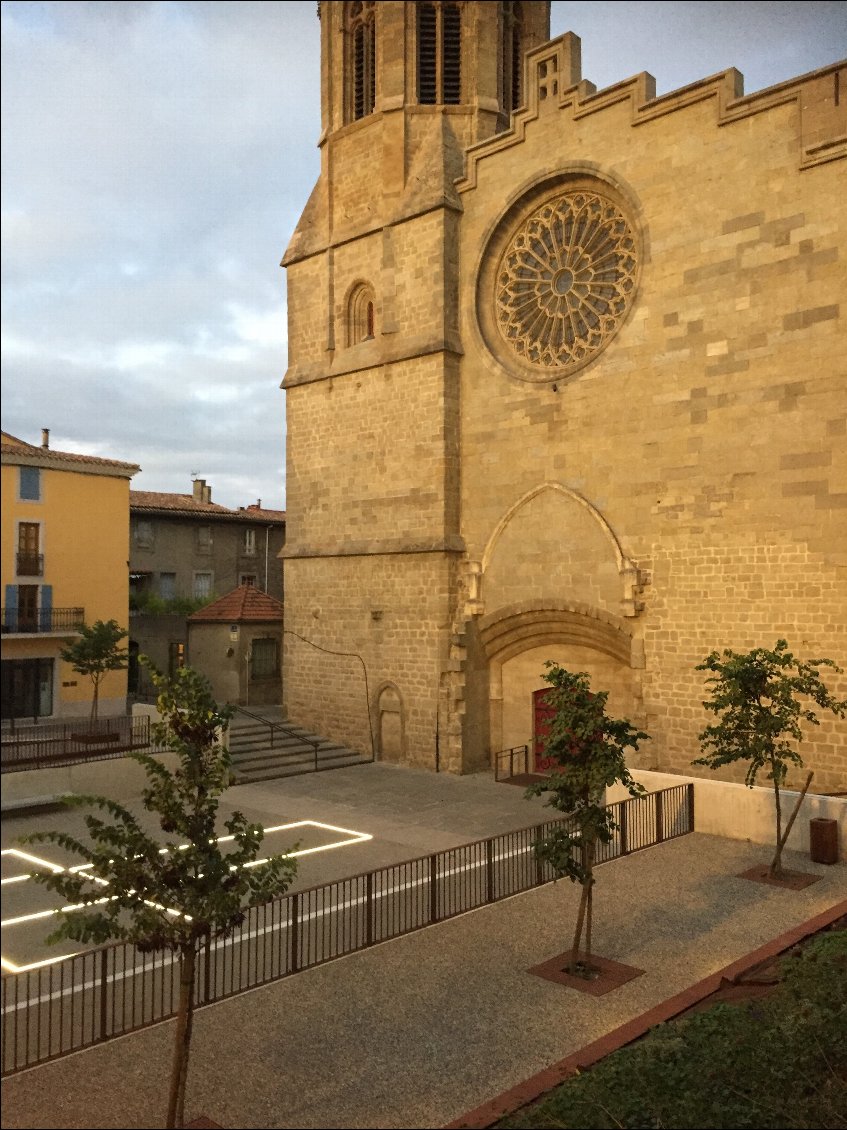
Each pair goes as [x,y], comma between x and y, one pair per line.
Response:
[589,910]
[93,717]
[776,864]
[775,871]
[584,912]
[580,918]
[182,1036]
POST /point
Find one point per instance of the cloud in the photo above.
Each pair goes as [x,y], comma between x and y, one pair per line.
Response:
[156,157]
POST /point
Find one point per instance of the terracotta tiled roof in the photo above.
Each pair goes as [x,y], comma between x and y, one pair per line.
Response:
[184,503]
[244,603]
[152,501]
[45,456]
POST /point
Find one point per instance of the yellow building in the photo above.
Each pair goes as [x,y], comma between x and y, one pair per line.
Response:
[65,547]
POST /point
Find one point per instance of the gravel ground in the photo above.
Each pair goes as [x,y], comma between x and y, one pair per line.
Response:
[416,1031]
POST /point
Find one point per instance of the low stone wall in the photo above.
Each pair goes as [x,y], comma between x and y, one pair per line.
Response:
[120,778]
[741,813]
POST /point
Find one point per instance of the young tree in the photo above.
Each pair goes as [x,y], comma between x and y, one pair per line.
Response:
[96,653]
[192,892]
[589,747]
[760,698]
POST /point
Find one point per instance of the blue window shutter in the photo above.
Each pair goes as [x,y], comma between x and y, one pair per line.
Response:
[46,607]
[11,617]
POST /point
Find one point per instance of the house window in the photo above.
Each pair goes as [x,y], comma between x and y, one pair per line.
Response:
[202,586]
[265,659]
[29,484]
[439,54]
[204,539]
[247,579]
[510,58]
[361,60]
[30,563]
[176,657]
[27,688]
[250,543]
[167,586]
[361,319]
[143,531]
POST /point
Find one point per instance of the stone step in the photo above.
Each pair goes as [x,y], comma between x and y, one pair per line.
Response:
[299,753]
[290,745]
[293,752]
[271,769]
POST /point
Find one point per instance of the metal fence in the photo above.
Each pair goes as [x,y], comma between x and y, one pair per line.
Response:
[71,743]
[93,996]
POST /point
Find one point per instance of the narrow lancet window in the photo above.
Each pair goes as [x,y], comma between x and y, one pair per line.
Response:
[361,41]
[511,56]
[439,54]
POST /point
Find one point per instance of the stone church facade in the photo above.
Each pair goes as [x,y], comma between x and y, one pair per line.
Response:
[566,381]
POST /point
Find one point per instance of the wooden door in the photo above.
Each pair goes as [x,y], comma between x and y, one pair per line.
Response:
[542,715]
[27,608]
[28,549]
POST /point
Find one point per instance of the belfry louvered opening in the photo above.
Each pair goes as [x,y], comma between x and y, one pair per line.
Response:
[439,54]
[510,55]
[361,85]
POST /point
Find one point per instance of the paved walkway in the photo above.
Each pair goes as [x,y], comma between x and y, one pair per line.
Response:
[417,1031]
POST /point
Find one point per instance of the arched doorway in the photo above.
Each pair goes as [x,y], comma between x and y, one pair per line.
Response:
[517,642]
[390,724]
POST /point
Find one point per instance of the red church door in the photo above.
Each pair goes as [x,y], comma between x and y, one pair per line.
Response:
[542,715]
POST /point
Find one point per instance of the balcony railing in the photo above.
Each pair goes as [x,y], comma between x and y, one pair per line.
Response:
[30,564]
[42,619]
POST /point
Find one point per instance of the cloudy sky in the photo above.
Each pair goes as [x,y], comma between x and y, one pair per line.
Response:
[155,159]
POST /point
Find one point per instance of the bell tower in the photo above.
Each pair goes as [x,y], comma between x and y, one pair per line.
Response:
[373,549]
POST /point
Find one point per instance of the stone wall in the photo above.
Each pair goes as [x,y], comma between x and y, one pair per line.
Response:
[709,433]
[456,514]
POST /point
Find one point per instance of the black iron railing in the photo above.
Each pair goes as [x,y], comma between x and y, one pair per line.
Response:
[269,735]
[42,619]
[50,744]
[512,762]
[90,997]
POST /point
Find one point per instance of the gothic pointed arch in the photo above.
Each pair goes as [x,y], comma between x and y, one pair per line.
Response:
[617,581]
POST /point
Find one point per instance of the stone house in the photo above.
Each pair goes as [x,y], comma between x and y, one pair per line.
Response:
[236,643]
[187,549]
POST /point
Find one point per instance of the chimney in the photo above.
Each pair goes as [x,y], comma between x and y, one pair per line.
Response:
[258,504]
[45,438]
[207,493]
[199,489]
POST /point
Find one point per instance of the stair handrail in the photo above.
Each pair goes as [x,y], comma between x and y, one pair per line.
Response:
[280,726]
[520,750]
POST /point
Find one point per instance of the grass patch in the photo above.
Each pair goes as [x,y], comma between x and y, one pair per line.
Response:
[779,1061]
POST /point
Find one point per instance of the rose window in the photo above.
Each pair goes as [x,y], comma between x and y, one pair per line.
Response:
[566,280]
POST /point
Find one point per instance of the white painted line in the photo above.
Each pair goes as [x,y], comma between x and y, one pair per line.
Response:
[276,927]
[11,967]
